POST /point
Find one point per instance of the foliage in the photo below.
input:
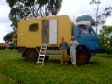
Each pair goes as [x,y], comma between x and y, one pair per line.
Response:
[106,38]
[22,9]
[16,70]
[9,36]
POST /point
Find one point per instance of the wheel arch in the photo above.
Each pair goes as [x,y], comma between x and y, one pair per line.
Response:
[83,47]
[26,49]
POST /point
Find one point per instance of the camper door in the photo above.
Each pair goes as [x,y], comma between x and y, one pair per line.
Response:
[49,31]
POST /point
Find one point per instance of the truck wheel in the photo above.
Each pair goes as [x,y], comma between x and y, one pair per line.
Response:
[82,57]
[31,55]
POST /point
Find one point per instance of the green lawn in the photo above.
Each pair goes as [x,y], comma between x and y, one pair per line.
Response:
[15,70]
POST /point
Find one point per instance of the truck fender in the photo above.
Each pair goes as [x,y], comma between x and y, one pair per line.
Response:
[25,50]
[83,47]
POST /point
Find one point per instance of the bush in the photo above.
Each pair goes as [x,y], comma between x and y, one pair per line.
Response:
[106,38]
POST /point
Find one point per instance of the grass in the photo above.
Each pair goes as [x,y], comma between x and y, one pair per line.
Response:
[15,70]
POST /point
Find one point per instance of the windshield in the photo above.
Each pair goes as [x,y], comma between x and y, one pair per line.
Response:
[87,30]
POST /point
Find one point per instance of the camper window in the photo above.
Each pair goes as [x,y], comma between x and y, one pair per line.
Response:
[33,27]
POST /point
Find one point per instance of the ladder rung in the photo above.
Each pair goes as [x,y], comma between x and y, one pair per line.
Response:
[39,62]
[43,48]
[42,55]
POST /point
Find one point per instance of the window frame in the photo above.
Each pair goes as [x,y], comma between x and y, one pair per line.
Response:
[33,27]
[85,31]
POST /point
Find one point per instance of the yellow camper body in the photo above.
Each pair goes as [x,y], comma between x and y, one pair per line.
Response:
[33,32]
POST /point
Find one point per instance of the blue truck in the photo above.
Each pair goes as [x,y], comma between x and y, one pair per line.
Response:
[32,33]
[89,41]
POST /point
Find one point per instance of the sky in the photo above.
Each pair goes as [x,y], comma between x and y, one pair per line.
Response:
[4,20]
[73,8]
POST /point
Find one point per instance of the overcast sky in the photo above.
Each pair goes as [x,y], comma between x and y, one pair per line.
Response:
[73,8]
[4,20]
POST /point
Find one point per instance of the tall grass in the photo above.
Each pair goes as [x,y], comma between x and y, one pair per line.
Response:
[15,70]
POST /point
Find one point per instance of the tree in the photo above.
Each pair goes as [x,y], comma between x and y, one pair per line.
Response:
[9,36]
[100,18]
[106,38]
[22,9]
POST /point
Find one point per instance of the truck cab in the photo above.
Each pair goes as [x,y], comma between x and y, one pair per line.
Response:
[86,36]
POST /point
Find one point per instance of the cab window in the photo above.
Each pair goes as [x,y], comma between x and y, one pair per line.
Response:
[85,30]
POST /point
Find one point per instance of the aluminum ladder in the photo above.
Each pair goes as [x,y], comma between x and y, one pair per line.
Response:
[42,54]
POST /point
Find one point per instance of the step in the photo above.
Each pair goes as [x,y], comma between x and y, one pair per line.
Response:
[43,52]
[41,59]
[39,62]
[43,48]
[42,55]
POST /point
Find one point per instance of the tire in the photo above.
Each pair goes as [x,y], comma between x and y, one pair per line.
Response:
[82,57]
[31,55]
